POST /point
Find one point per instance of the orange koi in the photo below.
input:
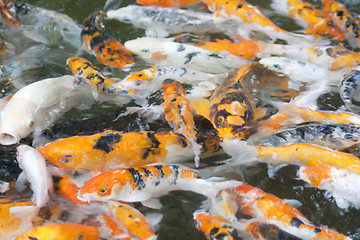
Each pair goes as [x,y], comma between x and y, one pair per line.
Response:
[132,220]
[306,15]
[104,47]
[8,13]
[67,187]
[215,227]
[257,203]
[110,148]
[85,69]
[147,183]
[266,231]
[168,3]
[69,231]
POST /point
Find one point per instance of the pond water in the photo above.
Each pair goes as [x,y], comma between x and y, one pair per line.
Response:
[178,206]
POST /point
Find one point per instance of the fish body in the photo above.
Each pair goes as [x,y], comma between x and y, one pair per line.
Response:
[335,136]
[340,183]
[306,15]
[215,227]
[348,89]
[162,21]
[67,187]
[257,203]
[266,231]
[112,228]
[114,148]
[129,218]
[166,52]
[168,3]
[104,47]
[70,231]
[8,13]
[147,183]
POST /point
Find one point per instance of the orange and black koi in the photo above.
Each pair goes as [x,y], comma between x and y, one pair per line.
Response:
[8,13]
[267,231]
[107,49]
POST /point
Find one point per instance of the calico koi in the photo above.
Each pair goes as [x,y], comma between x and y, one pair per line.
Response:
[132,220]
[104,47]
[215,227]
[178,113]
[8,13]
[340,183]
[85,69]
[147,183]
[307,16]
[70,231]
[257,203]
[114,148]
[166,52]
[168,3]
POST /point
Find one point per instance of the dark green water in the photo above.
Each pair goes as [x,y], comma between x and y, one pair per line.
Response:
[178,207]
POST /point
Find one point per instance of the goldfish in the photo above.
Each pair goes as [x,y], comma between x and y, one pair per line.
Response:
[34,167]
[70,231]
[168,3]
[267,231]
[114,148]
[340,183]
[166,52]
[178,113]
[132,220]
[8,13]
[349,84]
[146,184]
[257,203]
[306,15]
[104,47]
[215,227]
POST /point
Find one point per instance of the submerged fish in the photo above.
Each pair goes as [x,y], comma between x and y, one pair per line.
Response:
[340,183]
[166,52]
[8,13]
[349,88]
[147,183]
[104,47]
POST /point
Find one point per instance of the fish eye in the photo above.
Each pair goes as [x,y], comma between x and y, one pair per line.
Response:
[221,120]
[31,124]
[64,160]
[137,83]
[145,50]
[103,189]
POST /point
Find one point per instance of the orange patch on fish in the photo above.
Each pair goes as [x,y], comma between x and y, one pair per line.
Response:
[159,56]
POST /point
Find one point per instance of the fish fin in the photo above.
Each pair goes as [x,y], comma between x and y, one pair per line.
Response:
[20,182]
[201,106]
[24,211]
[154,218]
[4,186]
[153,203]
[293,202]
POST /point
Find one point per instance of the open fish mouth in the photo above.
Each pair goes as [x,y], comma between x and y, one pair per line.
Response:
[7,138]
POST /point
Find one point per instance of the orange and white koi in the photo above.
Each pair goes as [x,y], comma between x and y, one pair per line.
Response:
[306,15]
[257,203]
[114,148]
[132,220]
[34,168]
[85,69]
[168,53]
[340,183]
[104,47]
[168,3]
[147,183]
[252,19]
[70,231]
[8,13]
[215,227]
[178,113]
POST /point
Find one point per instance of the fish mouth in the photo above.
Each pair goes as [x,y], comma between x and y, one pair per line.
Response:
[7,138]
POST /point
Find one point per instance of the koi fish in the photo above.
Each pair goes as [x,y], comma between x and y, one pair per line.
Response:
[266,231]
[85,69]
[147,183]
[307,16]
[257,203]
[349,84]
[132,220]
[340,183]
[335,136]
[160,21]
[114,148]
[252,19]
[67,187]
[104,47]
[168,3]
[70,231]
[8,13]
[178,114]
[166,52]
[109,224]
[215,227]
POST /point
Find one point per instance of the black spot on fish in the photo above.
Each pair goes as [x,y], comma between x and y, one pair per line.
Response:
[146,171]
[106,143]
[137,178]
[340,13]
[295,222]
[221,236]
[189,57]
[181,48]
[32,238]
[214,231]
[215,55]
[349,23]
[160,169]
[317,230]
[176,173]
[331,52]
[154,146]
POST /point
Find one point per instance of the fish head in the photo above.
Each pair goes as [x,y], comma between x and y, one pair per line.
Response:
[315,174]
[128,14]
[105,186]
[141,80]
